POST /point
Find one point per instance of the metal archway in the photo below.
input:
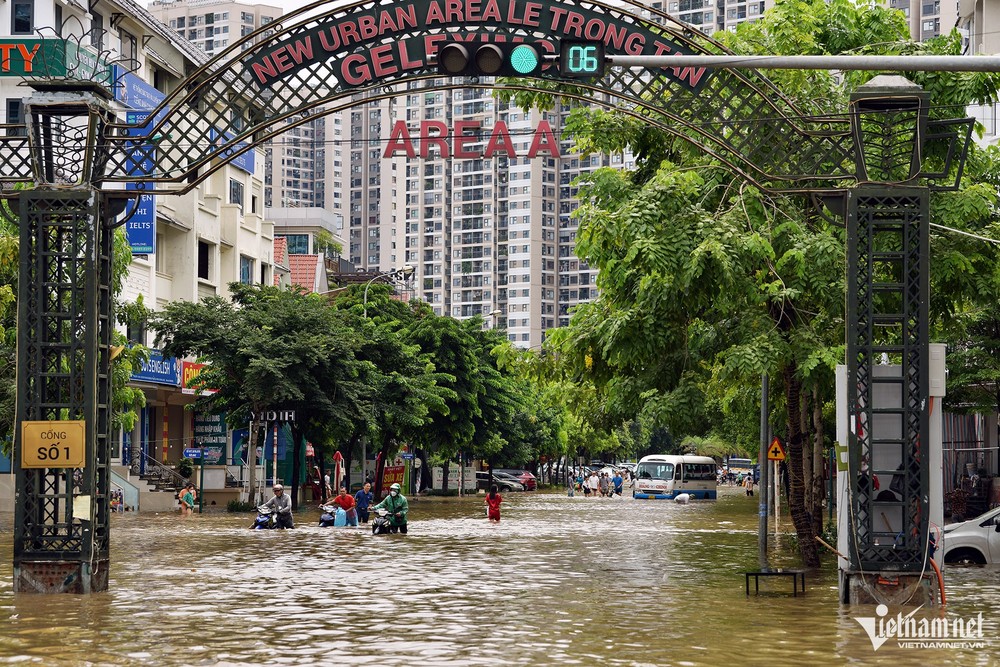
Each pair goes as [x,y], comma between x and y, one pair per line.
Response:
[252,92]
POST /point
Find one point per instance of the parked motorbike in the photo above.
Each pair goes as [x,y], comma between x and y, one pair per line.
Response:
[266,519]
[332,515]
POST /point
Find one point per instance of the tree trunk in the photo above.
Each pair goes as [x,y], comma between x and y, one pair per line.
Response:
[296,466]
[796,486]
[252,459]
[819,458]
[383,452]
[444,480]
[809,501]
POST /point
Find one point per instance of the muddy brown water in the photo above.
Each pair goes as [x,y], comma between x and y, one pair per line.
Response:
[560,581]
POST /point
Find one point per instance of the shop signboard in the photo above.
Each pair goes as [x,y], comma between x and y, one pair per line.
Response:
[210,432]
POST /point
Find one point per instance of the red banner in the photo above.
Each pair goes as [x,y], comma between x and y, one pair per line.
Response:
[393,475]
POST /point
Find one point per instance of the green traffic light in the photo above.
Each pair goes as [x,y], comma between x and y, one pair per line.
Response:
[524,59]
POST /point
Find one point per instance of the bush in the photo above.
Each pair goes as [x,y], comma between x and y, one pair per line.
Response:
[185,467]
[240,506]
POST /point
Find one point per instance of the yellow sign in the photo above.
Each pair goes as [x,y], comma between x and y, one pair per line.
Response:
[776,452]
[53,444]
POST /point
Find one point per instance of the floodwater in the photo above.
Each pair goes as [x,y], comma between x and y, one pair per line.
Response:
[560,581]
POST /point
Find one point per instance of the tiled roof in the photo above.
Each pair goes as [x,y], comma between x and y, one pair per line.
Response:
[305,271]
[281,251]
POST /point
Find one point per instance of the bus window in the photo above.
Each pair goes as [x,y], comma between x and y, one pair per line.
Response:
[699,471]
[654,470]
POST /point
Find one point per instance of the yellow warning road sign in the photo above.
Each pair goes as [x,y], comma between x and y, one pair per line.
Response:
[776,452]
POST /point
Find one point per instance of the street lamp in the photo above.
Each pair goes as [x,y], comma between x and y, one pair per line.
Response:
[403,272]
[494,315]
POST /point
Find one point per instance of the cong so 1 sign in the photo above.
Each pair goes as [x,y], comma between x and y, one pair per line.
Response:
[53,444]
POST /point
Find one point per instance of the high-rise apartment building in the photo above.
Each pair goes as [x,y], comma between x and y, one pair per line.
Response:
[213,25]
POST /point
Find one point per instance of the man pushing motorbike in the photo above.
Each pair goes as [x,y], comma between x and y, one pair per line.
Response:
[282,506]
[397,507]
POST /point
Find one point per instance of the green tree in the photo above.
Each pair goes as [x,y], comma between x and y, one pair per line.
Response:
[267,349]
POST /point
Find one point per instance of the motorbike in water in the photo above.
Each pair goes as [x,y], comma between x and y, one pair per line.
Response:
[332,515]
[267,519]
[382,524]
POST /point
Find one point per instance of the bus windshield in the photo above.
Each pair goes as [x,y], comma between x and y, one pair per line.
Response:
[654,470]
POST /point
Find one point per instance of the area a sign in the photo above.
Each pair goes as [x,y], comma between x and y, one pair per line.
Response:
[776,451]
[465,141]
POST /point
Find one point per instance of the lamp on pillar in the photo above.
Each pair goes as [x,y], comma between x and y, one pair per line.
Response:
[66,127]
[889,124]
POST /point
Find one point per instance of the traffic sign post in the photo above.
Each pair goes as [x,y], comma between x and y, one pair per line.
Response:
[776,451]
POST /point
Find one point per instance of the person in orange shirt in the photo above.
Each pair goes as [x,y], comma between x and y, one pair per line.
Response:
[345,501]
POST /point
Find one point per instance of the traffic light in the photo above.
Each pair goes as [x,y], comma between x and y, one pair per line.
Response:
[581,60]
[475,58]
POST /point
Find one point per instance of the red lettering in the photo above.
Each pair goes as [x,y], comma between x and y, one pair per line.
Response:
[531,11]
[662,48]
[635,43]
[692,74]
[261,70]
[329,39]
[426,140]
[574,24]
[557,14]
[543,141]
[453,11]
[491,11]
[404,59]
[355,75]
[5,58]
[461,138]
[29,56]
[500,141]
[301,50]
[399,140]
[366,26]
[382,59]
[472,11]
[434,14]
[280,58]
[349,33]
[594,30]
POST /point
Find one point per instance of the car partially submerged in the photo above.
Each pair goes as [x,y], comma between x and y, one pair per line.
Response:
[974,542]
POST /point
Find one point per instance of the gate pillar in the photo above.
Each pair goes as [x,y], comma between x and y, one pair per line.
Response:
[887,350]
[63,350]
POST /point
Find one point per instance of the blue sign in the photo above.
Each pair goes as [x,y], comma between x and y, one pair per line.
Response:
[406,456]
[159,369]
[140,161]
[135,93]
[192,453]
[243,161]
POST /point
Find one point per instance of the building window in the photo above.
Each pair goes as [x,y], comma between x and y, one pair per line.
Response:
[15,116]
[236,192]
[204,252]
[298,244]
[129,47]
[246,270]
[22,17]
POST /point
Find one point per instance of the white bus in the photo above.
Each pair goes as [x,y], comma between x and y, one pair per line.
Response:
[664,476]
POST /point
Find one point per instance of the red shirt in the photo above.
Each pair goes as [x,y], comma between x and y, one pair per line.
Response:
[494,503]
[345,501]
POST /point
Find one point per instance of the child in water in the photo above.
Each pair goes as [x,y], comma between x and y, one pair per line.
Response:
[493,500]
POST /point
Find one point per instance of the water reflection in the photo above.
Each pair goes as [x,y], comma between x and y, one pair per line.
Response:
[560,581]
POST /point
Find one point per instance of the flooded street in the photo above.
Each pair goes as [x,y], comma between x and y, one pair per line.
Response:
[561,581]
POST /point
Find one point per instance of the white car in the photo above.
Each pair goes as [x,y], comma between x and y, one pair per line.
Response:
[976,541]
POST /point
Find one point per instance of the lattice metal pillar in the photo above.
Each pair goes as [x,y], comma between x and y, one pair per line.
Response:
[887,348]
[64,335]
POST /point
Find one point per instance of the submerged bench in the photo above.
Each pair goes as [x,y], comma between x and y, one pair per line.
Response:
[796,575]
